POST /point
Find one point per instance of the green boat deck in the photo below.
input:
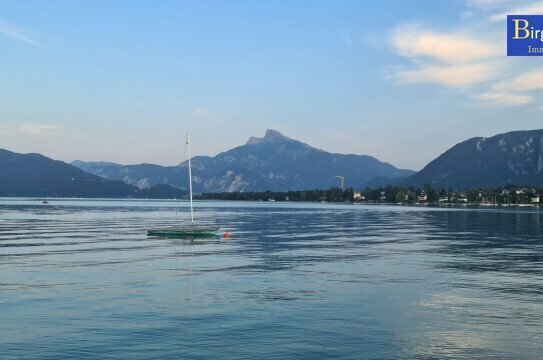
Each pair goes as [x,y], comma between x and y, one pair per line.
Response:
[184,231]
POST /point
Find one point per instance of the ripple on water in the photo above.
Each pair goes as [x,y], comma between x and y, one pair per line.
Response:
[80,279]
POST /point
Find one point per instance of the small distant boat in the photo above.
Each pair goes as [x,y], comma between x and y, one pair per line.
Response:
[188,231]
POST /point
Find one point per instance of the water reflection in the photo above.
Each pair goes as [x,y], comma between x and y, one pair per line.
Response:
[81,279]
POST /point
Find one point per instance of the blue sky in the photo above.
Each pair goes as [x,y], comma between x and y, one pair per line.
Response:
[123,80]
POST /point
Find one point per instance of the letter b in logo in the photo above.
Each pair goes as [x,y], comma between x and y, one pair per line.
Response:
[519,28]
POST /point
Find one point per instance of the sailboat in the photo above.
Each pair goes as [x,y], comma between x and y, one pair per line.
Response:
[192,230]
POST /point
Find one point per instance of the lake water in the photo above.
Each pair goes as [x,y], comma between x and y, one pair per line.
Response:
[80,279]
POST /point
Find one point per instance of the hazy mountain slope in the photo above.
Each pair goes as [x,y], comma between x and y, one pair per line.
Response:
[142,175]
[37,175]
[511,158]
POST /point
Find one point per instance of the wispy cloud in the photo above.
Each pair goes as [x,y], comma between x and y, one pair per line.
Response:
[18,34]
[504,98]
[488,3]
[449,75]
[348,39]
[469,56]
[525,82]
[412,41]
[35,129]
[200,111]
[451,59]
[535,8]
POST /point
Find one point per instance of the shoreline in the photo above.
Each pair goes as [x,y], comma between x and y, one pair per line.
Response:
[429,205]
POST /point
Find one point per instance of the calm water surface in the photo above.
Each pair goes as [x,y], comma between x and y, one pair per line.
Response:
[80,279]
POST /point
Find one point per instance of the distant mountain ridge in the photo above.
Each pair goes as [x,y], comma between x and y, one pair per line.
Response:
[37,175]
[274,162]
[278,163]
[511,158]
[142,175]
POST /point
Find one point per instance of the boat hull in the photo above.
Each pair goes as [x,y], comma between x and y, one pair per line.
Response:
[185,232]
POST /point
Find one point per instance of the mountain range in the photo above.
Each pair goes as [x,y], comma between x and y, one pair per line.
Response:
[274,162]
[277,163]
[37,175]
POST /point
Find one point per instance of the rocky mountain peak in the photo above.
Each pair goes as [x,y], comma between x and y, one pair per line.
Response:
[270,136]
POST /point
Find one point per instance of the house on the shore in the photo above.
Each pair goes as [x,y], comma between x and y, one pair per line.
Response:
[422,196]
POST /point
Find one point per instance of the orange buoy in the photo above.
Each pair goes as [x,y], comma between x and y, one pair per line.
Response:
[226,235]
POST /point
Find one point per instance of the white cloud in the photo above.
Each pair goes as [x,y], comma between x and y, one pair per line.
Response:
[488,3]
[516,90]
[532,9]
[450,75]
[470,56]
[505,98]
[414,42]
[529,81]
[18,34]
[452,59]
[33,129]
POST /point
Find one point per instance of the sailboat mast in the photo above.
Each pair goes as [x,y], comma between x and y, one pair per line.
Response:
[190,183]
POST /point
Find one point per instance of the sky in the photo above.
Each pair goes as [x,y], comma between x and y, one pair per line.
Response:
[123,81]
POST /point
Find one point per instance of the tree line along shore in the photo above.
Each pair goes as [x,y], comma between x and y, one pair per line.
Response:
[509,195]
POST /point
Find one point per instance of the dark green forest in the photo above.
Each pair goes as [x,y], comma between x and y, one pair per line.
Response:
[509,195]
